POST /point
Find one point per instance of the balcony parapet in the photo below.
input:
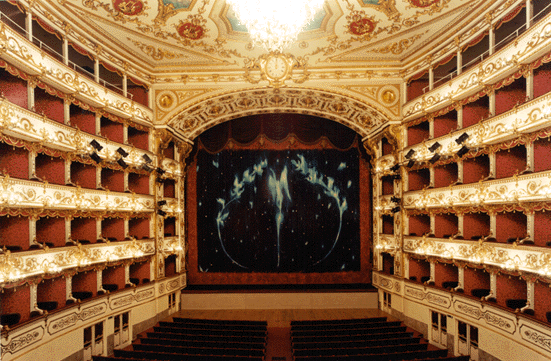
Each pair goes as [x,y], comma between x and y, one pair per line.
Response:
[18,51]
[531,45]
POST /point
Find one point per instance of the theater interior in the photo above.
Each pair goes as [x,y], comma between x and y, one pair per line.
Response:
[376,188]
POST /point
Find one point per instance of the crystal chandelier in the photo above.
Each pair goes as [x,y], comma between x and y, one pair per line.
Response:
[275,25]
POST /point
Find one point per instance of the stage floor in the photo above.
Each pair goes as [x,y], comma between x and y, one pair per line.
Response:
[284,300]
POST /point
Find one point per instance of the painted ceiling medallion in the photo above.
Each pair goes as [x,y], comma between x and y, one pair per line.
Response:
[190,30]
[129,7]
[362,26]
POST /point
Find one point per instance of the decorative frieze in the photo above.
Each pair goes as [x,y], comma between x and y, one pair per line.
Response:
[491,318]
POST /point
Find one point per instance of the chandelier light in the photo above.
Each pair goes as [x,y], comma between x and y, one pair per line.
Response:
[275,25]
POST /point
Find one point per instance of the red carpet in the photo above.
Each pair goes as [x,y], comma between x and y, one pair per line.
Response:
[279,344]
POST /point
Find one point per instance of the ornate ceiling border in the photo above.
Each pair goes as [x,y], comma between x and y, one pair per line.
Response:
[196,118]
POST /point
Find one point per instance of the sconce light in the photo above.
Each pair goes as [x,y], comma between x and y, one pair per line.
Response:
[160,171]
[396,177]
[395,199]
[161,203]
[95,157]
[146,158]
[434,147]
[147,168]
[122,152]
[410,154]
[122,163]
[410,164]
[161,213]
[395,210]
[395,167]
[96,145]
[160,180]
[434,159]
[464,150]
[463,137]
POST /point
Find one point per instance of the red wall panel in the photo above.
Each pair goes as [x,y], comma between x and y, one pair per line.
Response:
[112,179]
[52,290]
[418,133]
[510,95]
[114,275]
[139,227]
[445,225]
[49,105]
[113,228]
[138,183]
[510,225]
[13,88]
[476,224]
[419,224]
[140,271]
[83,175]
[475,111]
[542,300]
[16,300]
[509,287]
[83,119]
[542,85]
[84,229]
[510,161]
[445,273]
[14,161]
[418,269]
[445,175]
[542,228]
[14,231]
[475,169]
[51,230]
[542,154]
[445,123]
[112,130]
[138,138]
[51,169]
[415,88]
[475,279]
[418,179]
[85,282]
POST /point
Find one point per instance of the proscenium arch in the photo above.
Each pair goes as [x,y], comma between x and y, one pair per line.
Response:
[193,120]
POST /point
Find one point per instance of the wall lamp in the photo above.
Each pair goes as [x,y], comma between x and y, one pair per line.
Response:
[160,171]
[395,210]
[395,167]
[395,199]
[411,163]
[161,213]
[161,203]
[146,158]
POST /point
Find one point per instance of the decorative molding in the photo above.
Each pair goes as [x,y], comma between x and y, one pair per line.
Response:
[431,297]
[70,320]
[536,337]
[491,318]
[348,111]
[23,340]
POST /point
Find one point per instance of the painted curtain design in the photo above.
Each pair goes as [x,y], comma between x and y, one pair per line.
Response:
[278,210]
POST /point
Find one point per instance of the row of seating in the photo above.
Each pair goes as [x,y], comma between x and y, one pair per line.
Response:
[198,340]
[360,339]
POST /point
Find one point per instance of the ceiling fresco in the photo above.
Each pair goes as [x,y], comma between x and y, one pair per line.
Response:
[168,36]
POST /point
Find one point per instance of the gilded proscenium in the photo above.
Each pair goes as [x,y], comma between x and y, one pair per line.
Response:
[47,69]
[530,45]
[386,96]
[19,193]
[17,266]
[25,124]
[346,110]
[276,68]
[168,101]
[525,188]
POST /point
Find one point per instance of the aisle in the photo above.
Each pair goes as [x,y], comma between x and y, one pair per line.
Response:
[278,346]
